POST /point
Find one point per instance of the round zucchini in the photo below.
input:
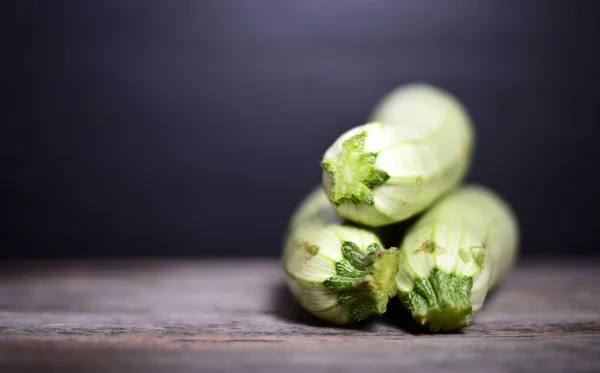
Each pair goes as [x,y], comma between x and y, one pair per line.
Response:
[338,272]
[417,147]
[452,255]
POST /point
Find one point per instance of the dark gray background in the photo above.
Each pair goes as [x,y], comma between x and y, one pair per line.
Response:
[194,127]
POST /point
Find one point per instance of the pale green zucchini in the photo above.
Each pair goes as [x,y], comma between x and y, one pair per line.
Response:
[417,147]
[338,272]
[452,255]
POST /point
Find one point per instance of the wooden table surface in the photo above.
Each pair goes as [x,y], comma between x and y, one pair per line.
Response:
[224,316]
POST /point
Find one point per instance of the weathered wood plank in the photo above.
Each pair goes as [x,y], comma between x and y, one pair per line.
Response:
[224,316]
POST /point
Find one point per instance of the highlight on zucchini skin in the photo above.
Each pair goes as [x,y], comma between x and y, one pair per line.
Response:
[337,272]
[417,147]
[453,255]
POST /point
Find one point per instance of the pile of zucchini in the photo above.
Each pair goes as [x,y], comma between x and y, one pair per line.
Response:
[406,165]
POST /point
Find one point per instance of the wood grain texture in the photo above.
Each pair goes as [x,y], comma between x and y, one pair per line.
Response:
[224,316]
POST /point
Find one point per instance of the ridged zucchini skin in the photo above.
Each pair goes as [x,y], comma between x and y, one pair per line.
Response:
[338,272]
[453,254]
[417,146]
